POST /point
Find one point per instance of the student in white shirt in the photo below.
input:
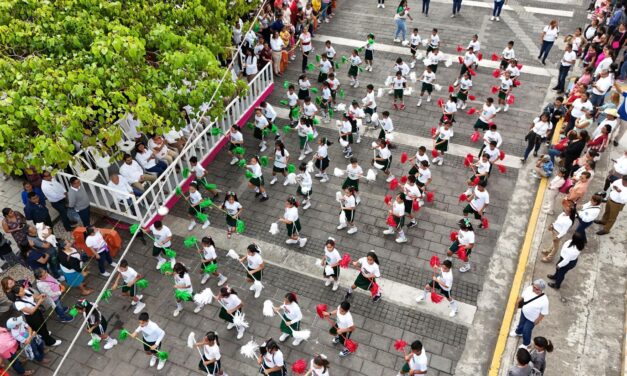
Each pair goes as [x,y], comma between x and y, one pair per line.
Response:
[344,325]
[465,84]
[183,286]
[233,210]
[271,360]
[396,218]
[477,202]
[399,83]
[369,103]
[256,180]
[416,360]
[368,273]
[468,61]
[331,264]
[369,55]
[427,79]
[211,357]
[538,131]
[303,88]
[162,237]
[505,88]
[413,196]
[568,59]
[507,55]
[129,279]
[440,142]
[434,41]
[448,111]
[230,305]
[353,70]
[349,205]
[329,51]
[262,126]
[200,176]
[568,259]
[281,159]
[383,158]
[549,35]
[442,281]
[292,222]
[325,67]
[152,336]
[322,159]
[305,185]
[195,211]
[291,317]
[292,102]
[319,365]
[414,43]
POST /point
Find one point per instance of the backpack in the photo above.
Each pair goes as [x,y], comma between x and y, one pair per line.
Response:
[8,344]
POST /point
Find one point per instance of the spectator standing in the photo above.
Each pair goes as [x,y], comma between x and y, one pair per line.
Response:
[614,205]
[53,290]
[541,346]
[558,229]
[28,303]
[496,10]
[534,306]
[568,59]
[549,35]
[588,213]
[457,6]
[568,259]
[56,194]
[35,211]
[553,190]
[523,366]
[28,188]
[79,201]
[14,223]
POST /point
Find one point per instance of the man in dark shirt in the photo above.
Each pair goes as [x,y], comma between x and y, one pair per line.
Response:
[35,211]
[39,248]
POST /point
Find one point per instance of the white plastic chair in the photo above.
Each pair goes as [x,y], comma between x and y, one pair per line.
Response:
[102,161]
[83,170]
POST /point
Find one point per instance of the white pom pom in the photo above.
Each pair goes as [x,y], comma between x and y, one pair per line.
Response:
[310,167]
[419,56]
[437,87]
[408,91]
[374,144]
[389,80]
[341,107]
[424,42]
[338,172]
[163,211]
[372,175]
[427,62]
[205,297]
[342,218]
[343,142]
[389,137]
[239,319]
[405,43]
[302,335]
[338,196]
[274,228]
[412,76]
[379,92]
[257,286]
[249,350]
[448,62]
[191,340]
[374,118]
[291,178]
[268,308]
[232,254]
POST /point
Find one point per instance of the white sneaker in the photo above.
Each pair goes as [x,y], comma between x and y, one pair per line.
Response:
[514,334]
[91,342]
[234,160]
[191,226]
[498,19]
[390,178]
[153,361]
[465,268]
[308,150]
[302,242]
[206,224]
[296,342]
[110,343]
[139,307]
[160,264]
[176,312]
[113,265]
[283,337]
[324,180]
[105,274]
[401,240]
[396,40]
[285,182]
[307,205]
[412,65]
[464,106]
[452,314]
[440,161]
[452,15]
[274,179]
[420,299]
[319,175]
[492,18]
[328,282]
[301,157]
[342,226]
[499,109]
[336,285]
[205,278]
[257,295]
[352,230]
[455,83]
[263,148]
[383,6]
[222,280]
[429,98]
[230,326]
[506,108]
[161,364]
[419,102]
[240,333]
[251,288]
[356,85]
[388,232]
[198,308]
[291,241]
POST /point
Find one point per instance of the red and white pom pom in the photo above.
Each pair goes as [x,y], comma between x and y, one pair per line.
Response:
[510,99]
[496,73]
[460,59]
[453,236]
[485,223]
[435,297]
[462,253]
[460,48]
[472,72]
[345,261]
[495,89]
[440,102]
[430,196]
[393,184]
[415,206]
[374,289]
[472,97]
[320,310]
[516,83]
[434,261]
[399,345]
[350,345]
[387,199]
[501,154]
[403,179]
[494,57]
[434,153]
[433,130]
[475,136]
[451,88]
[502,169]
[463,197]
[479,56]
[476,180]
[519,66]
[299,367]
[471,111]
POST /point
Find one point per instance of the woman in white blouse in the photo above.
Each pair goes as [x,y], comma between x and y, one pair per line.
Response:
[538,131]
[291,317]
[549,35]
[558,229]
[292,223]
[568,259]
[368,273]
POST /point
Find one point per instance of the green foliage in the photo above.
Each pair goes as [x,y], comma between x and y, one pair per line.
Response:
[70,69]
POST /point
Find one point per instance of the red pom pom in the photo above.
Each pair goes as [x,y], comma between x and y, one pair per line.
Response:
[390,221]
[494,57]
[430,196]
[475,137]
[471,111]
[510,99]
[476,180]
[299,367]
[403,179]
[468,160]
[451,88]
[433,130]
[519,66]
[490,123]
[495,89]
[472,97]
[404,157]
[434,153]
[393,184]
[472,72]
[350,345]
[320,309]
[440,102]
[387,199]
[463,197]
[435,297]
[501,168]
[501,154]
[479,56]
[400,345]
[496,73]
[459,48]
[374,289]
[346,259]
[460,59]
[435,261]
[453,236]
[485,223]
[444,118]
[415,205]
[516,83]
[462,254]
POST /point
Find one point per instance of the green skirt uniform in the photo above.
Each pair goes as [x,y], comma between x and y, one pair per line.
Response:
[257,182]
[193,210]
[230,221]
[413,170]
[353,70]
[333,331]
[322,77]
[279,169]
[427,87]
[454,246]
[131,290]
[469,210]
[288,329]
[400,221]
[398,93]
[305,195]
[462,95]
[302,141]
[348,138]
[502,94]
[480,124]
[348,182]
[293,228]
[224,315]
[363,282]
[386,164]
[257,276]
[443,146]
[258,133]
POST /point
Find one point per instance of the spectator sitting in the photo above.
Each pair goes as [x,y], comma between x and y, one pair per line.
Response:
[53,290]
[160,150]
[599,143]
[134,173]
[148,160]
[28,188]
[544,167]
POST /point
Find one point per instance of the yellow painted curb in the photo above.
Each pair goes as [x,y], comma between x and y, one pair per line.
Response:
[510,309]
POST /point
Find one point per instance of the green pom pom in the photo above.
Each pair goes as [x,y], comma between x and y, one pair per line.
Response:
[123,335]
[190,241]
[291,168]
[318,100]
[210,187]
[360,49]
[311,67]
[166,268]
[241,163]
[178,191]
[287,129]
[202,217]
[250,125]
[370,41]
[211,268]
[316,121]
[310,136]
[183,295]
[265,131]
[263,160]
[106,294]
[284,102]
[185,172]
[216,131]
[344,59]
[240,227]
[249,174]
[342,93]
[314,90]
[134,228]
[142,283]
[239,150]
[163,355]
[170,253]
[95,344]
[295,112]
[331,112]
[318,58]
[337,65]
[360,69]
[274,129]
[73,312]
[286,84]
[205,203]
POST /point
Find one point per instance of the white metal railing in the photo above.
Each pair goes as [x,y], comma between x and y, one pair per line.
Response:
[201,145]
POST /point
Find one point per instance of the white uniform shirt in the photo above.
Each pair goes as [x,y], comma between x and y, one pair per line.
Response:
[293,312]
[304,84]
[493,154]
[424,174]
[369,98]
[434,40]
[260,121]
[332,257]
[384,152]
[355,60]
[419,362]
[398,208]
[398,83]
[255,169]
[344,321]
[145,159]
[539,306]
[151,332]
[469,59]
[209,253]
[291,214]
[195,198]
[254,261]
[330,51]
[276,44]
[161,235]
[129,275]
[550,34]
[280,160]
[465,84]
[305,181]
[476,46]
[447,278]
[292,99]
[305,42]
[450,107]
[269,112]
[403,67]
[487,113]
[602,85]
[349,202]
[96,242]
[232,208]
[199,171]
[354,172]
[489,136]
[274,360]
[371,269]
[183,281]
[414,39]
[325,66]
[480,199]
[508,54]
[444,134]
[236,137]
[231,302]
[435,58]
[412,192]
[506,83]
[323,151]
[589,212]
[466,237]
[211,352]
[420,158]
[309,109]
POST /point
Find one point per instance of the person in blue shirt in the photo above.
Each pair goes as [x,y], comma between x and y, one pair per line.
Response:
[28,188]
[35,211]
[544,167]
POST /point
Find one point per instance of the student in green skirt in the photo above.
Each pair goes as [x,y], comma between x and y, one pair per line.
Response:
[368,273]
[292,222]
[464,83]
[261,123]
[344,325]
[281,159]
[353,71]
[397,211]
[383,159]
[346,135]
[255,266]
[349,206]
[292,317]
[488,112]
[505,88]
[353,173]
[303,129]
[440,143]
[256,181]
[231,303]
[209,257]
[416,361]
[331,264]
[233,210]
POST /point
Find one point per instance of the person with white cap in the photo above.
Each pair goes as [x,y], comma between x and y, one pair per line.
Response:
[615,203]
[32,345]
[534,306]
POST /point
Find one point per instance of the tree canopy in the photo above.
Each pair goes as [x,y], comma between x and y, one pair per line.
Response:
[70,68]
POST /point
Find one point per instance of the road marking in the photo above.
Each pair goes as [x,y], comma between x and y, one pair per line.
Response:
[549,12]
[282,257]
[397,49]
[510,161]
[481,4]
